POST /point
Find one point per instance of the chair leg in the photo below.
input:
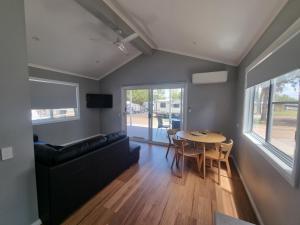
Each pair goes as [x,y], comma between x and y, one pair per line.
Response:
[168,150]
[177,161]
[201,160]
[204,168]
[219,171]
[175,156]
[182,166]
[198,163]
[228,169]
[204,162]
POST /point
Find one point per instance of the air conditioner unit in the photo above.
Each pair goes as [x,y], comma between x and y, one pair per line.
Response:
[210,77]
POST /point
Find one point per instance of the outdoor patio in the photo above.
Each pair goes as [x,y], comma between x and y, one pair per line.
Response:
[138,127]
[158,135]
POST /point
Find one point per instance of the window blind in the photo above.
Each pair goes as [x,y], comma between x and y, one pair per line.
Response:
[48,94]
[284,60]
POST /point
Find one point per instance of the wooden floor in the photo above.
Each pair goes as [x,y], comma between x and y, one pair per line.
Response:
[149,193]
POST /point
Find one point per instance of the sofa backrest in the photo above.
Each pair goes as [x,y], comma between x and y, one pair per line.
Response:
[50,155]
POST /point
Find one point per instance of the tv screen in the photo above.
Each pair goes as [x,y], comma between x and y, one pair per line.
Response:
[99,101]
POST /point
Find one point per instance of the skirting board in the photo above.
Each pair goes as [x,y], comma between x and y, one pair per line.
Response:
[82,139]
[248,193]
[37,222]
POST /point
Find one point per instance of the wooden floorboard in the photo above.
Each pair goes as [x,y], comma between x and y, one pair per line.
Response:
[149,193]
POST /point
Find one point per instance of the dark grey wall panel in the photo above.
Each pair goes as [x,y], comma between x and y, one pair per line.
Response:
[63,132]
[277,202]
[18,203]
[212,104]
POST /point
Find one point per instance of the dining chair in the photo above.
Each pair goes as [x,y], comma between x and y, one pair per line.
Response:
[213,145]
[182,149]
[221,154]
[171,134]
[162,123]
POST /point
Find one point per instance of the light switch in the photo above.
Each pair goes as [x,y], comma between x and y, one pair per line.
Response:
[7,153]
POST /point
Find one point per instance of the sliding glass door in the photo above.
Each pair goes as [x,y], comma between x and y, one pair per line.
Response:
[149,111]
[137,113]
[166,112]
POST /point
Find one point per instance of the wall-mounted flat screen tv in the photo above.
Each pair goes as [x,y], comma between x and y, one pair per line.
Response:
[99,101]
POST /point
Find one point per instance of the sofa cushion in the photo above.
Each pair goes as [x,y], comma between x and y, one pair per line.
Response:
[97,142]
[115,136]
[57,147]
[44,154]
[71,152]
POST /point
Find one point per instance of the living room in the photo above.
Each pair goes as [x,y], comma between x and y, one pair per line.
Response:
[136,112]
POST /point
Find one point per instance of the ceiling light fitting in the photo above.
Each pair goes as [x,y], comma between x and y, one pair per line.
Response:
[121,44]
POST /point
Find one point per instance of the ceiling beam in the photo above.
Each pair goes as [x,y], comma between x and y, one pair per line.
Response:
[103,12]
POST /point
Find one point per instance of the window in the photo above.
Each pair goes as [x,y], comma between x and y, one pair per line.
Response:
[273,119]
[176,105]
[53,101]
[162,105]
[284,110]
[260,109]
[49,114]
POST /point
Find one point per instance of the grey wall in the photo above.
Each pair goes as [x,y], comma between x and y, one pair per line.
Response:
[277,202]
[63,132]
[18,204]
[212,105]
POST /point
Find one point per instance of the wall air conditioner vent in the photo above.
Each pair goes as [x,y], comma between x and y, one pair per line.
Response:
[210,77]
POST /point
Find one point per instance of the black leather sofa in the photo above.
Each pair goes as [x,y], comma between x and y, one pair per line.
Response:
[69,176]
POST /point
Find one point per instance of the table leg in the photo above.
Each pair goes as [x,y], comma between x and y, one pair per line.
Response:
[204,161]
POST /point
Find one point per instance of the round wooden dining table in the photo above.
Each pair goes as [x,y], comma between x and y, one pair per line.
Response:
[205,138]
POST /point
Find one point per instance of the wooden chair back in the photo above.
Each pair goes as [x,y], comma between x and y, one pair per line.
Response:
[179,143]
[225,149]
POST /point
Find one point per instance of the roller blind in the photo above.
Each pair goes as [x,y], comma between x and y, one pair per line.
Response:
[284,60]
[49,94]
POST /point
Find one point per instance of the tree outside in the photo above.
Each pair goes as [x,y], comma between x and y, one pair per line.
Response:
[284,112]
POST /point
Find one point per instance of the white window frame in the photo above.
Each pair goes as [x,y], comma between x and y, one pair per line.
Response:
[63,119]
[265,149]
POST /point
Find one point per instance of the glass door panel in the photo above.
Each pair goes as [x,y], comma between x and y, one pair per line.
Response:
[137,113]
[166,112]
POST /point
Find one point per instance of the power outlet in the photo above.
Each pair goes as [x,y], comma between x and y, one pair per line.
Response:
[7,153]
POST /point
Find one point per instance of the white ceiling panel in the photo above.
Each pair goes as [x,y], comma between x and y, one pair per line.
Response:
[218,30]
[65,37]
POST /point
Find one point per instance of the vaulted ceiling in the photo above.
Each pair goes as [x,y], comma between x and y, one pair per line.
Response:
[62,35]
[222,31]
